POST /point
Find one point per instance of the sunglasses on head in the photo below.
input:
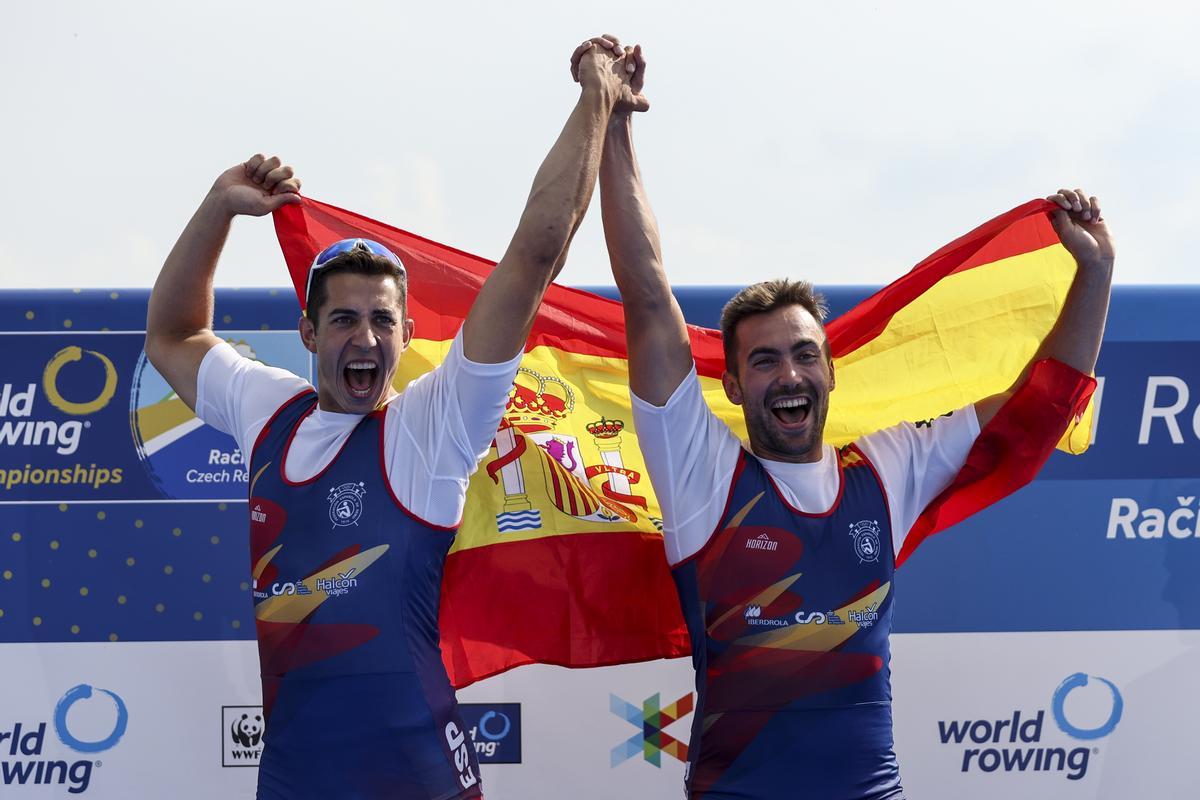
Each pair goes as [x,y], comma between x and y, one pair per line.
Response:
[345,246]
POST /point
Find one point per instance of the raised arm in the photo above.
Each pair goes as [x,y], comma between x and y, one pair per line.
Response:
[660,354]
[499,321]
[1075,338]
[179,318]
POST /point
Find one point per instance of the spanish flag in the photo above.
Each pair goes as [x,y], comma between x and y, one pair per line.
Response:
[559,559]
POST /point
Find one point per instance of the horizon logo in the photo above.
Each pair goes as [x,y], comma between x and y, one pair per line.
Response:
[762,542]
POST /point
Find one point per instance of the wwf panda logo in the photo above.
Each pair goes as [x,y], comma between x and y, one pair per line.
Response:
[246,730]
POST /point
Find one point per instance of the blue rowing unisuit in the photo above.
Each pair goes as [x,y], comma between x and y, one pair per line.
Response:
[346,586]
[789,615]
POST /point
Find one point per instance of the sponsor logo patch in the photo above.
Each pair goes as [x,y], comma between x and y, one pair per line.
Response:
[242,731]
[494,730]
[346,504]
[865,535]
[651,720]
[762,542]
[754,617]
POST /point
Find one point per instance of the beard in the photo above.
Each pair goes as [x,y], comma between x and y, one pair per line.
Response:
[767,437]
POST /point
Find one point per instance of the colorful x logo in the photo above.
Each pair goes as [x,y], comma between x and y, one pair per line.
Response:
[650,740]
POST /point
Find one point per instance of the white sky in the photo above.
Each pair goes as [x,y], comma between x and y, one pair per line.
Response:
[838,141]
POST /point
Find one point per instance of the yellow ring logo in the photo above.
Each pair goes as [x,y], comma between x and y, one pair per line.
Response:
[50,382]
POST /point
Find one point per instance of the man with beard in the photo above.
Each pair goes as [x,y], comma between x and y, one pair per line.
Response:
[356,489]
[783,549]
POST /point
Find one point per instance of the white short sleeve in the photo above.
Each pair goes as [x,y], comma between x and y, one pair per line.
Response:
[690,455]
[440,427]
[916,462]
[237,395]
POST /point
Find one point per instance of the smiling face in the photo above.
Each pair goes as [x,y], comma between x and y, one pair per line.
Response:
[782,382]
[359,335]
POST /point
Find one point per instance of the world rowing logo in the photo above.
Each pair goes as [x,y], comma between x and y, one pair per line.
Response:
[87,719]
[1073,682]
[345,504]
[865,534]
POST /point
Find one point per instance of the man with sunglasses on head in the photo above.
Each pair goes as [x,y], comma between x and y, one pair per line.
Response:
[357,489]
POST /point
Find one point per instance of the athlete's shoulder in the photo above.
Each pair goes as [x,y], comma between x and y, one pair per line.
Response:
[849,456]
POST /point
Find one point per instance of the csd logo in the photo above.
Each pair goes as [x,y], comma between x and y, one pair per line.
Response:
[55,366]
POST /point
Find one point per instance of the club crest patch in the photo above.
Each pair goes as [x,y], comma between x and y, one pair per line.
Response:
[865,534]
[345,504]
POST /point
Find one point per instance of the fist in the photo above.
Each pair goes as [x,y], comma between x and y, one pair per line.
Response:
[1081,228]
[634,66]
[257,187]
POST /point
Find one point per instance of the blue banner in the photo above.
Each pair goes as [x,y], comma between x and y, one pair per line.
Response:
[123,518]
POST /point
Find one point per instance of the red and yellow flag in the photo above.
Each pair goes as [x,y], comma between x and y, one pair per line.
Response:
[559,559]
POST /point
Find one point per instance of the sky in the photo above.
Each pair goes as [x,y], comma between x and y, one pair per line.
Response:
[838,142]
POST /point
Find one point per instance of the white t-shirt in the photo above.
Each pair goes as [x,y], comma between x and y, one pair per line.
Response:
[691,456]
[435,431]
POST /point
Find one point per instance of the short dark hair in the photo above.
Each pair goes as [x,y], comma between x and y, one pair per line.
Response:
[762,298]
[358,261]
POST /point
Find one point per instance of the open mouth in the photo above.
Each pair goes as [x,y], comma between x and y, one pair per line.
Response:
[360,377]
[791,411]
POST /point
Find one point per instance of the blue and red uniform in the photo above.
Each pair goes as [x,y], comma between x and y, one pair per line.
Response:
[789,615]
[346,586]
